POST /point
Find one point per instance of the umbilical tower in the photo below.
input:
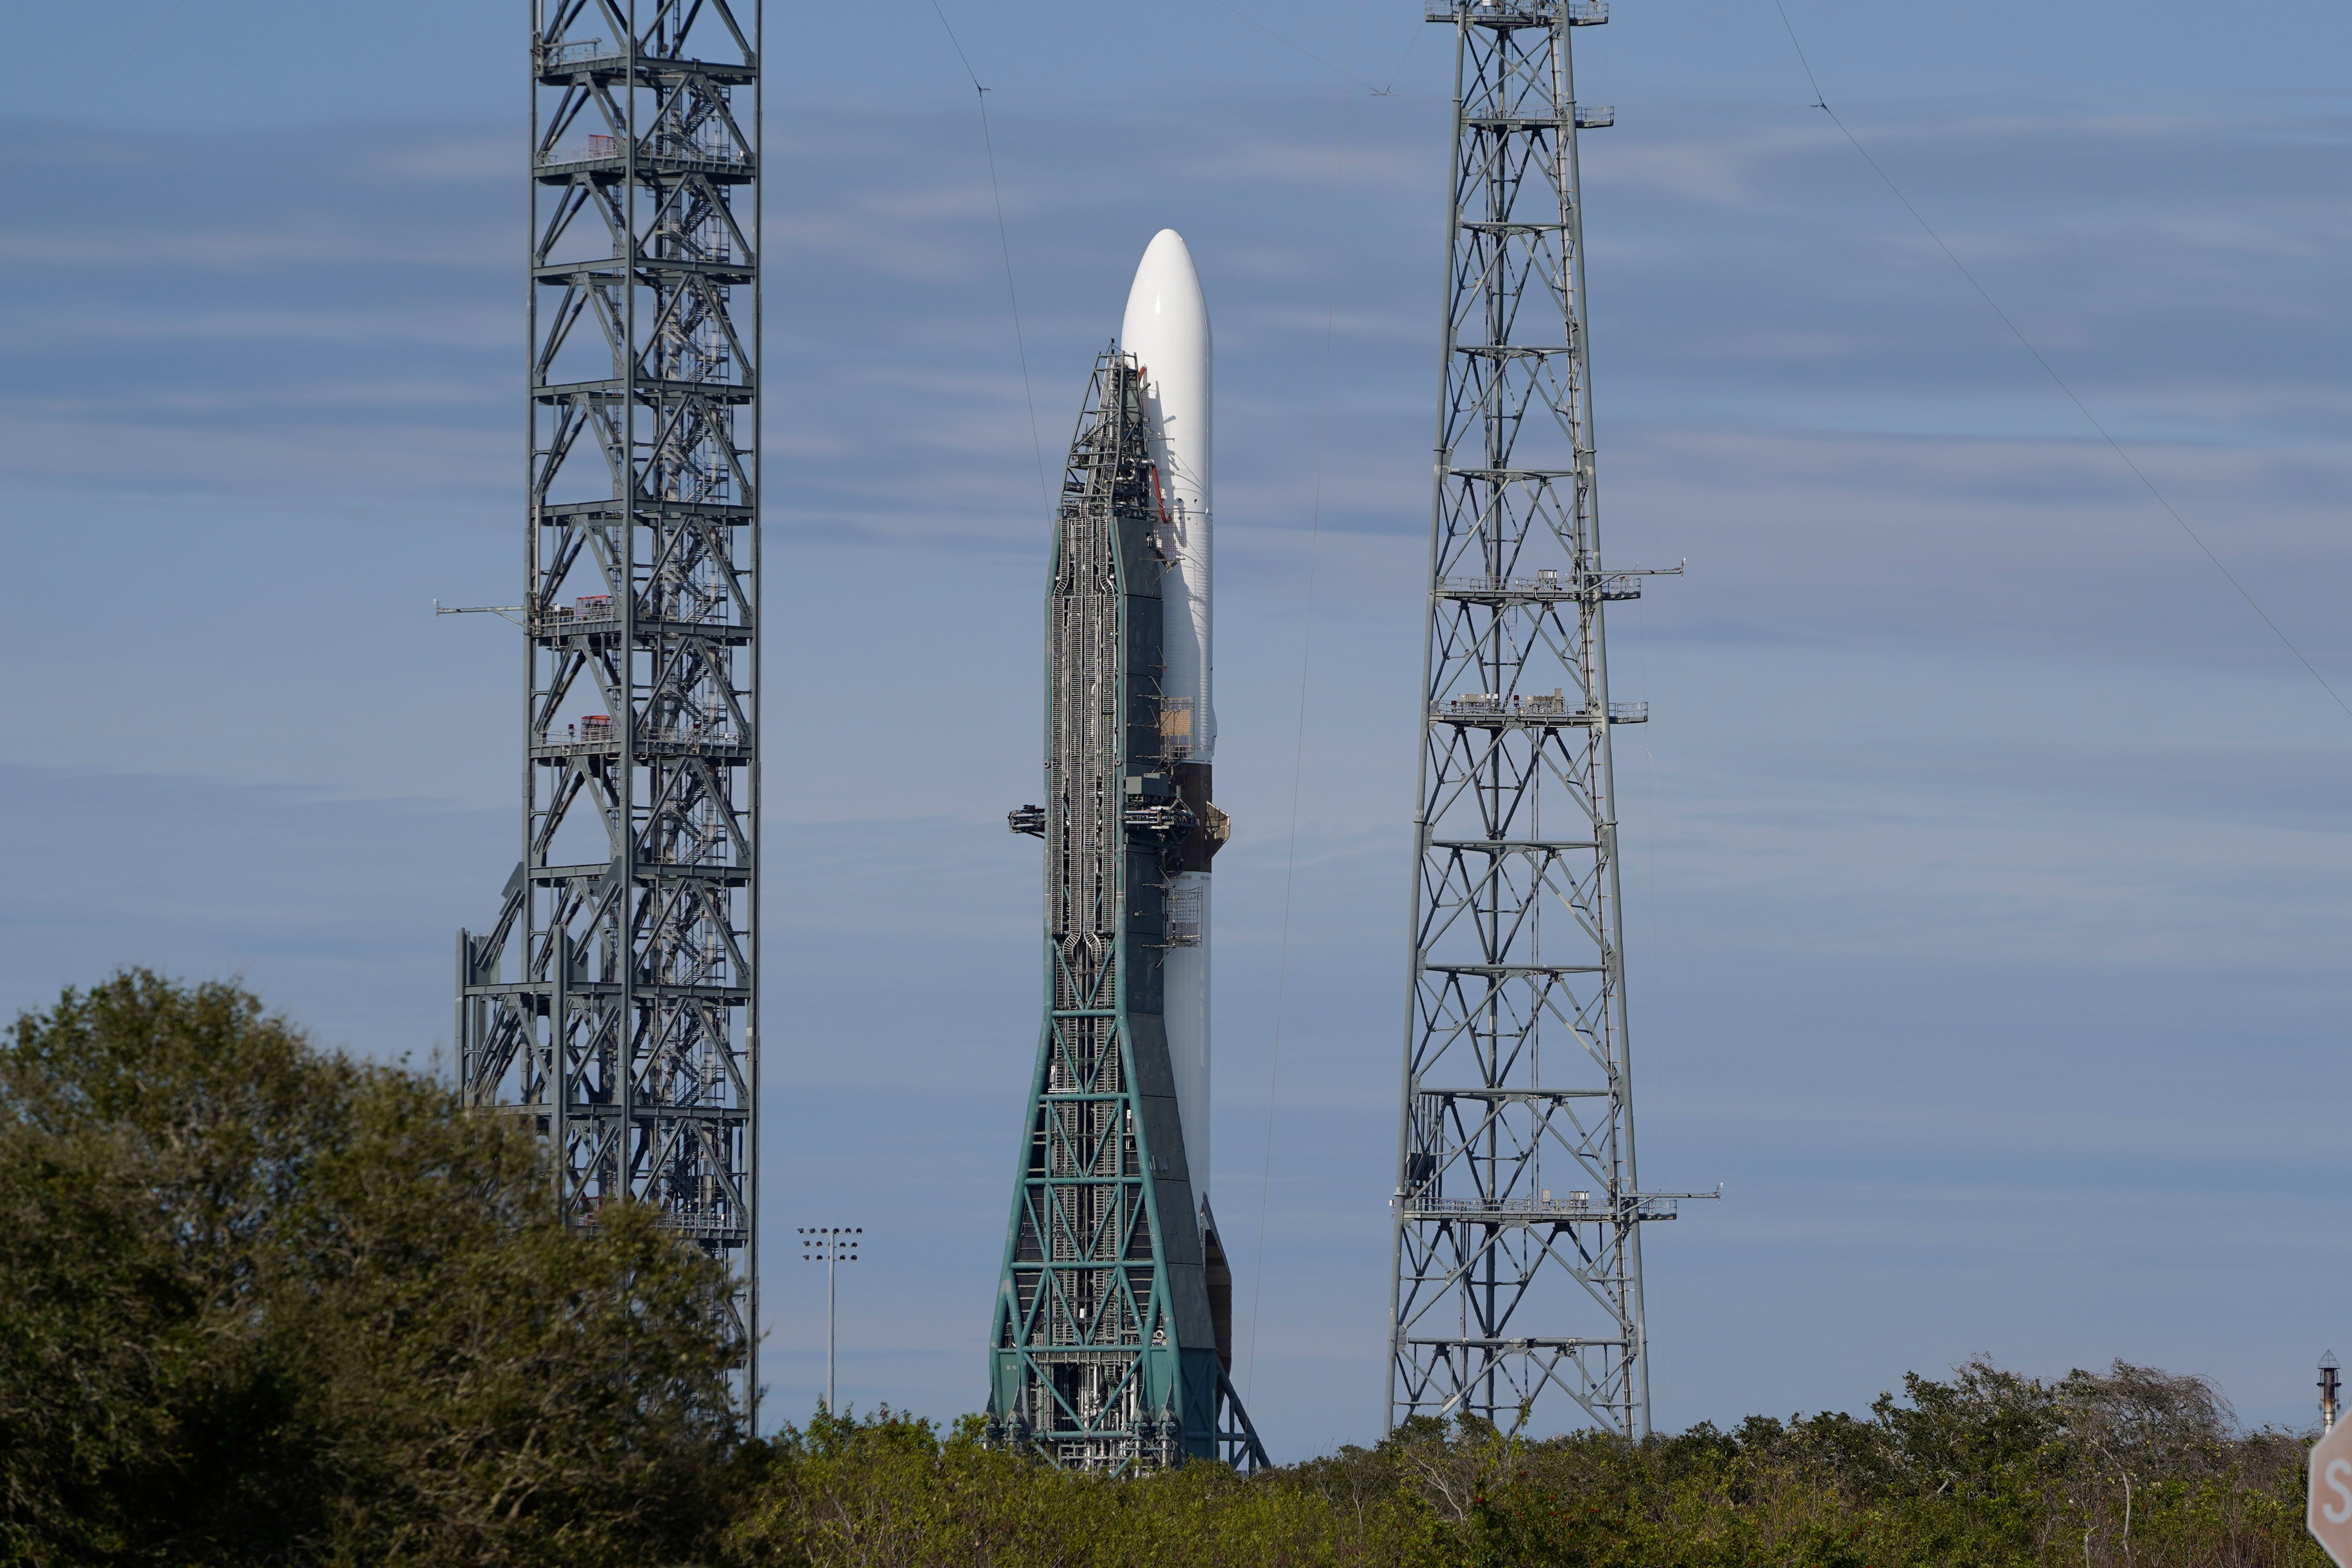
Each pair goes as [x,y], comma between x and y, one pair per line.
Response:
[613,1003]
[1105,1350]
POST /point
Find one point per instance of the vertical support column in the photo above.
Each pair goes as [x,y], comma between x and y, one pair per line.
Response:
[1517,1208]
[614,1004]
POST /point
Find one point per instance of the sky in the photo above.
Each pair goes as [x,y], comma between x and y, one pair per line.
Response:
[1986,851]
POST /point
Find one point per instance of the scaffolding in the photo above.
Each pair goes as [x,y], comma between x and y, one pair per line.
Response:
[614,1004]
[1517,1072]
[1109,1352]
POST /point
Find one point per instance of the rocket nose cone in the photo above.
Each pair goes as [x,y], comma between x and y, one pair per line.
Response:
[1168,249]
[1167,284]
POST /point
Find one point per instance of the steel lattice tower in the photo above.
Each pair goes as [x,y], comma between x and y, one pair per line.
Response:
[1517,1212]
[614,1002]
[1106,1352]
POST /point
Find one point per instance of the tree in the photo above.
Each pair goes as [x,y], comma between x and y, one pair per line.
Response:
[2140,1424]
[261,1304]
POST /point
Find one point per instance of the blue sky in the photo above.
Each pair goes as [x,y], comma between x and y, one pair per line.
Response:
[1987,860]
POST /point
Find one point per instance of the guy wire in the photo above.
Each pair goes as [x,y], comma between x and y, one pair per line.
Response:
[1004,242]
[1298,751]
[1294,44]
[1822,102]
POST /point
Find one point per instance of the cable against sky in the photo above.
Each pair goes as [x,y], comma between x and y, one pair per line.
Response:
[1292,44]
[1004,242]
[1298,750]
[1820,101]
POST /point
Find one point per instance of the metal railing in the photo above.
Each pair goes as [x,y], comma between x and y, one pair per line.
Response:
[700,1218]
[593,607]
[580,49]
[1548,707]
[1526,12]
[654,149]
[1575,1206]
[1541,582]
[588,733]
[689,734]
[598,609]
[1546,583]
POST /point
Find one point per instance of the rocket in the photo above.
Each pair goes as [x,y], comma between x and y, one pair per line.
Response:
[1111,1345]
[1166,330]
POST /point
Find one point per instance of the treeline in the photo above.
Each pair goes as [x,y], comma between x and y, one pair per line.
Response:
[260,1304]
[2132,1468]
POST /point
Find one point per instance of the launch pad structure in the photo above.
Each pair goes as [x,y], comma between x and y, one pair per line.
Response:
[1109,1352]
[1517,1212]
[613,1005]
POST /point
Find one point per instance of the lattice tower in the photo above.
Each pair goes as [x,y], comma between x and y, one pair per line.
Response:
[1517,1212]
[614,1003]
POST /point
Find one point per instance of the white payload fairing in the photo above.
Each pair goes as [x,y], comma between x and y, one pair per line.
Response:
[1167,331]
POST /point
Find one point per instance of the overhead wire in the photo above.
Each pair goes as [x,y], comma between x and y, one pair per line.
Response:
[1298,750]
[1820,101]
[1398,70]
[1005,243]
[1293,44]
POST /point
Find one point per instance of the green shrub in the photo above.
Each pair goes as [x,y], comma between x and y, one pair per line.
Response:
[261,1304]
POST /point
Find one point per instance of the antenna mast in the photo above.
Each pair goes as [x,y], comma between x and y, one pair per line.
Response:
[1517,1212]
[614,1003]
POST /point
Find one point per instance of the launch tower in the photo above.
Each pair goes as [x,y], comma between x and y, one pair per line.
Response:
[614,1002]
[1517,1212]
[1107,1353]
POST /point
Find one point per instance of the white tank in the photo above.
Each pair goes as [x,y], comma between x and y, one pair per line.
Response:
[1167,331]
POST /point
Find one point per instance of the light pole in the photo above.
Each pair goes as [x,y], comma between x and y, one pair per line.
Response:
[831,1246]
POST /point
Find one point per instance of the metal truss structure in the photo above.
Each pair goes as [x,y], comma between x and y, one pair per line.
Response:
[1106,1354]
[614,1002]
[1517,1212]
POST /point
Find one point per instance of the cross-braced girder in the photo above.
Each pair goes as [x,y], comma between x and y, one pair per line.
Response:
[1104,1354]
[614,1002]
[1516,1209]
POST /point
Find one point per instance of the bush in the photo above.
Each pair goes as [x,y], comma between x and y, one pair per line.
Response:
[890,1489]
[266,1304]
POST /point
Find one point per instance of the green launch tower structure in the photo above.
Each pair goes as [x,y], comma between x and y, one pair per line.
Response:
[1111,1348]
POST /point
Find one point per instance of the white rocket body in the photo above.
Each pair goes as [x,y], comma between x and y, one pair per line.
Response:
[1167,331]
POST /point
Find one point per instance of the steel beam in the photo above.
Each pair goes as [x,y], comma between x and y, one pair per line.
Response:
[614,1004]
